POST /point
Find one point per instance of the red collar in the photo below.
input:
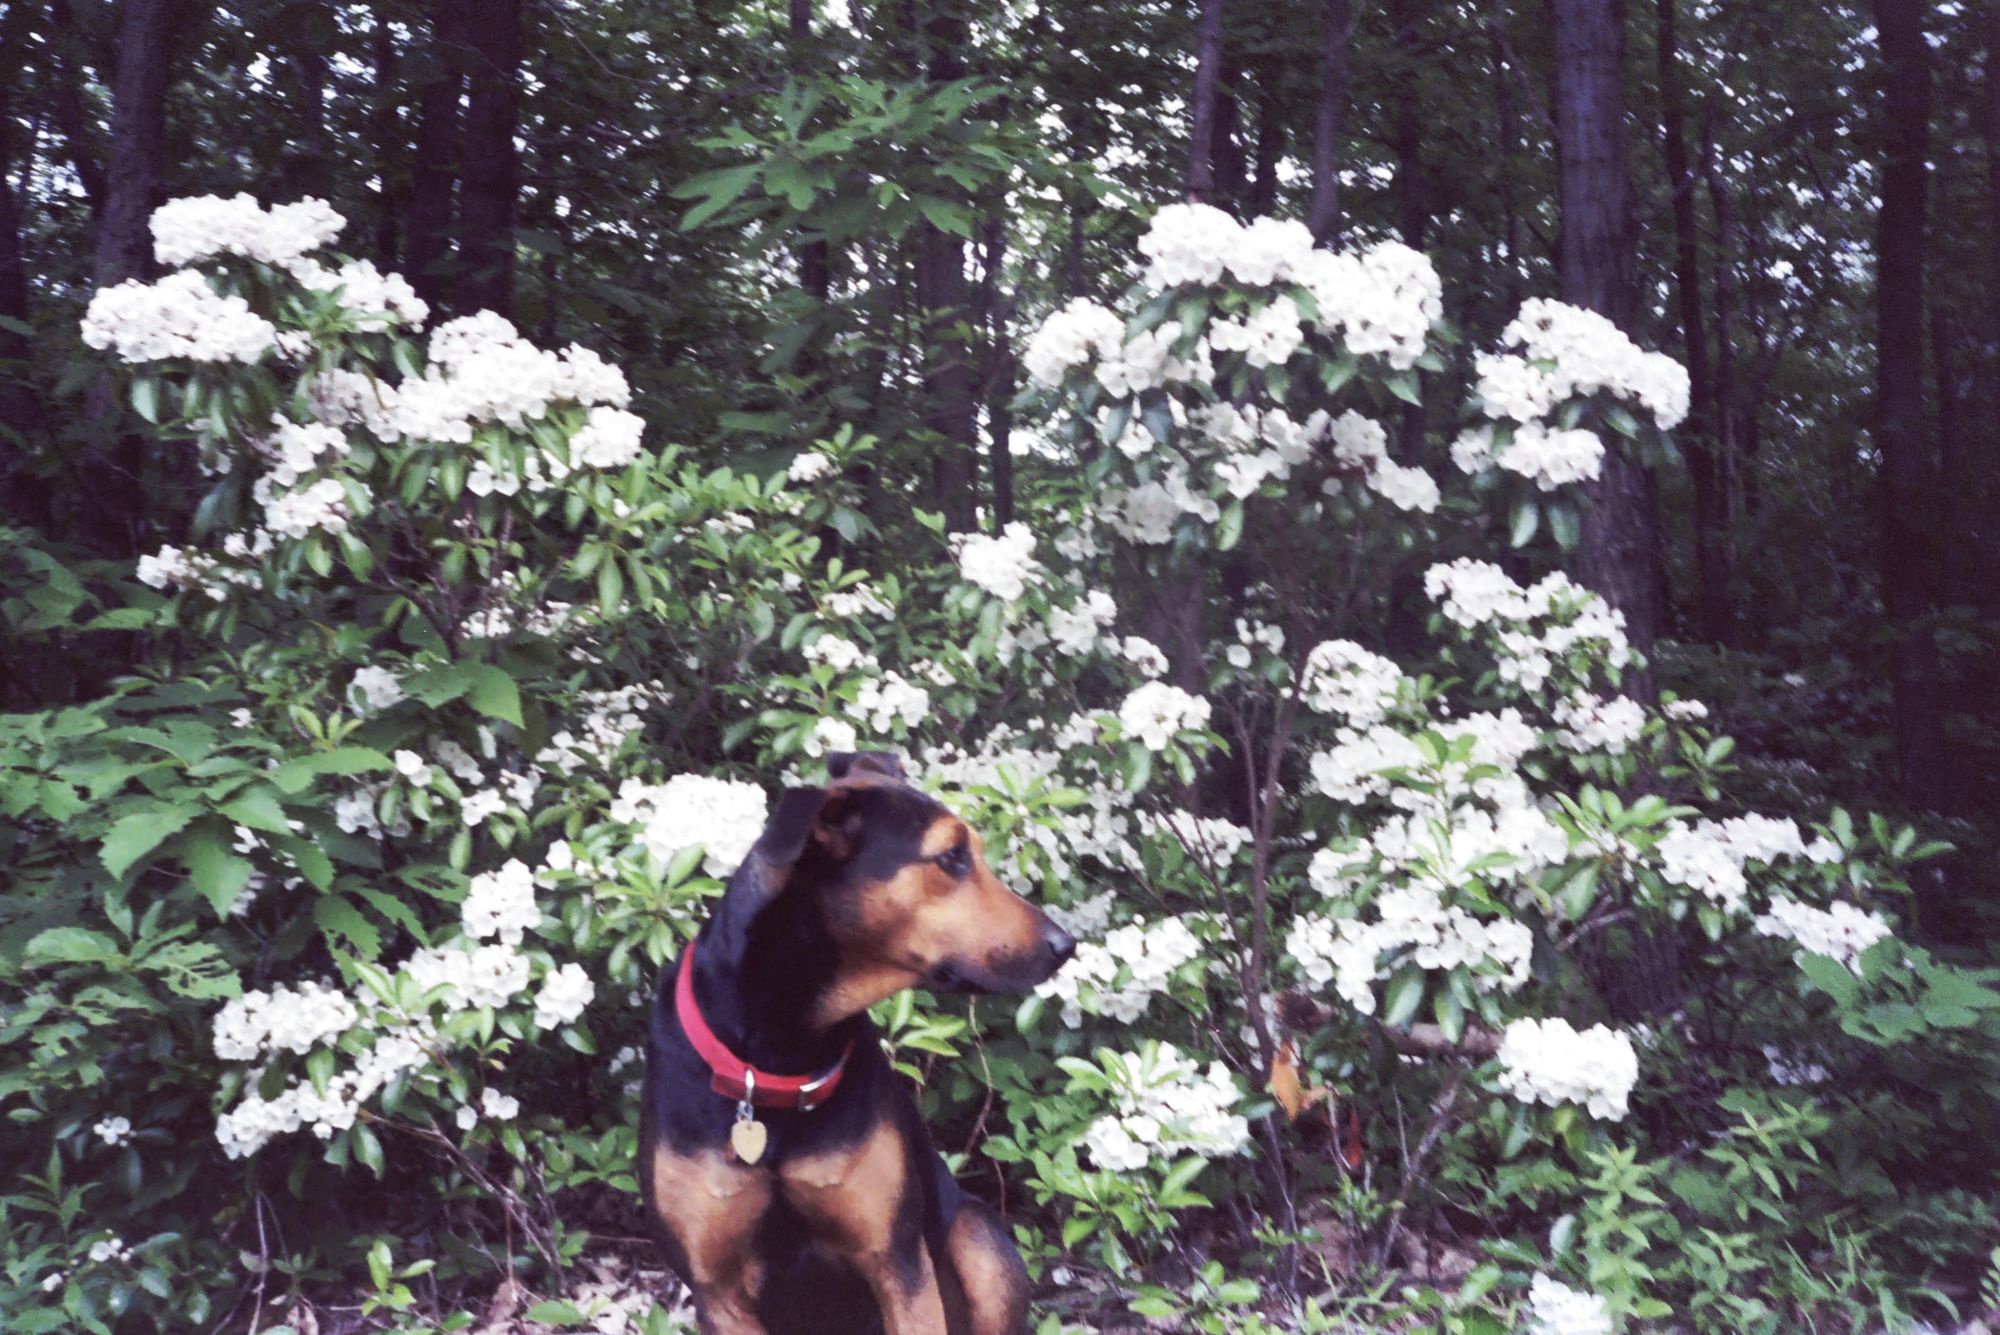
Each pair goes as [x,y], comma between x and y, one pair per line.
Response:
[738,1079]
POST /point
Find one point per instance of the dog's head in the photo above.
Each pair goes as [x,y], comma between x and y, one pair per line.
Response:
[900,887]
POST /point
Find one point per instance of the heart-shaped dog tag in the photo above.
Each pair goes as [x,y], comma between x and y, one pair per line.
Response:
[747,1140]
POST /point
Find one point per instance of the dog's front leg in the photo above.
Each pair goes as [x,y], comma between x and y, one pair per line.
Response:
[711,1209]
[860,1203]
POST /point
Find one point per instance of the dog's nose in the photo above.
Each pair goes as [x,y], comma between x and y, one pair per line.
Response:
[1059,944]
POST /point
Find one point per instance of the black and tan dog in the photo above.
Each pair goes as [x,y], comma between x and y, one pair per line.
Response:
[798,1189]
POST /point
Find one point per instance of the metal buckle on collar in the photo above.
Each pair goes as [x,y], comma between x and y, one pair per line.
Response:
[812,1087]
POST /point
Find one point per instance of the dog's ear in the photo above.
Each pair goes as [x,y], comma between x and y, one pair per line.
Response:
[803,818]
[840,764]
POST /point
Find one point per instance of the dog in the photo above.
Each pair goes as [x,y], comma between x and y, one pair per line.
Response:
[795,1183]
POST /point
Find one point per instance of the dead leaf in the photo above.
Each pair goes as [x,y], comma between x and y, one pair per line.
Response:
[1284,1084]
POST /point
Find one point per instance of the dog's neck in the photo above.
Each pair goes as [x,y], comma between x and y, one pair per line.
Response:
[761,985]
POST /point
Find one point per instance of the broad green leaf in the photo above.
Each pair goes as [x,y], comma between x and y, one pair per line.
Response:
[495,695]
[296,775]
[219,872]
[138,834]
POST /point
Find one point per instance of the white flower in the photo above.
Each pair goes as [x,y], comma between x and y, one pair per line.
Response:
[1155,712]
[203,226]
[1557,1309]
[501,903]
[113,1130]
[1188,243]
[565,992]
[412,767]
[836,652]
[724,816]
[1841,932]
[1547,1061]
[1003,565]
[504,1107]
[374,689]
[179,316]
[1144,655]
[609,439]
[809,466]
[1070,338]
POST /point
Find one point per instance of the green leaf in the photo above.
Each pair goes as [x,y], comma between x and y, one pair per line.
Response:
[495,695]
[337,917]
[1229,529]
[1830,976]
[260,809]
[1403,384]
[72,945]
[138,834]
[295,776]
[1527,518]
[1405,994]
[219,872]
[721,188]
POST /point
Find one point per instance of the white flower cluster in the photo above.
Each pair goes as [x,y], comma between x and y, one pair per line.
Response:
[1414,924]
[1567,352]
[1841,932]
[1534,629]
[1709,856]
[387,1043]
[368,295]
[600,724]
[190,569]
[1166,1106]
[1004,566]
[1363,445]
[1069,339]
[1383,300]
[179,316]
[113,1131]
[374,688]
[202,227]
[1080,629]
[1554,1308]
[723,816]
[1119,976]
[1548,1061]
[281,1020]
[1350,682]
[1155,713]
[890,703]
[1548,456]
[1587,722]
[501,903]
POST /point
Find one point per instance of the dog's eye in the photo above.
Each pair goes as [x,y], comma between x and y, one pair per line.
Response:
[956,860]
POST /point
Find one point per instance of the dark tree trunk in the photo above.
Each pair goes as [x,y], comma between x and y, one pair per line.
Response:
[1229,156]
[1336,35]
[489,183]
[1507,120]
[1074,283]
[815,262]
[1270,147]
[146,33]
[434,166]
[951,393]
[1206,110]
[1697,437]
[1002,367]
[385,127]
[22,498]
[1619,554]
[1412,213]
[1908,479]
[82,146]
[306,164]
[1990,127]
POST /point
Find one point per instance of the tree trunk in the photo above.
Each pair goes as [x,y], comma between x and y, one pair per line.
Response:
[385,127]
[434,165]
[951,408]
[489,182]
[1413,215]
[1507,121]
[146,31]
[1697,437]
[22,498]
[1908,479]
[81,145]
[1206,109]
[1619,554]
[305,165]
[1002,367]
[1270,147]
[1990,127]
[1336,35]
